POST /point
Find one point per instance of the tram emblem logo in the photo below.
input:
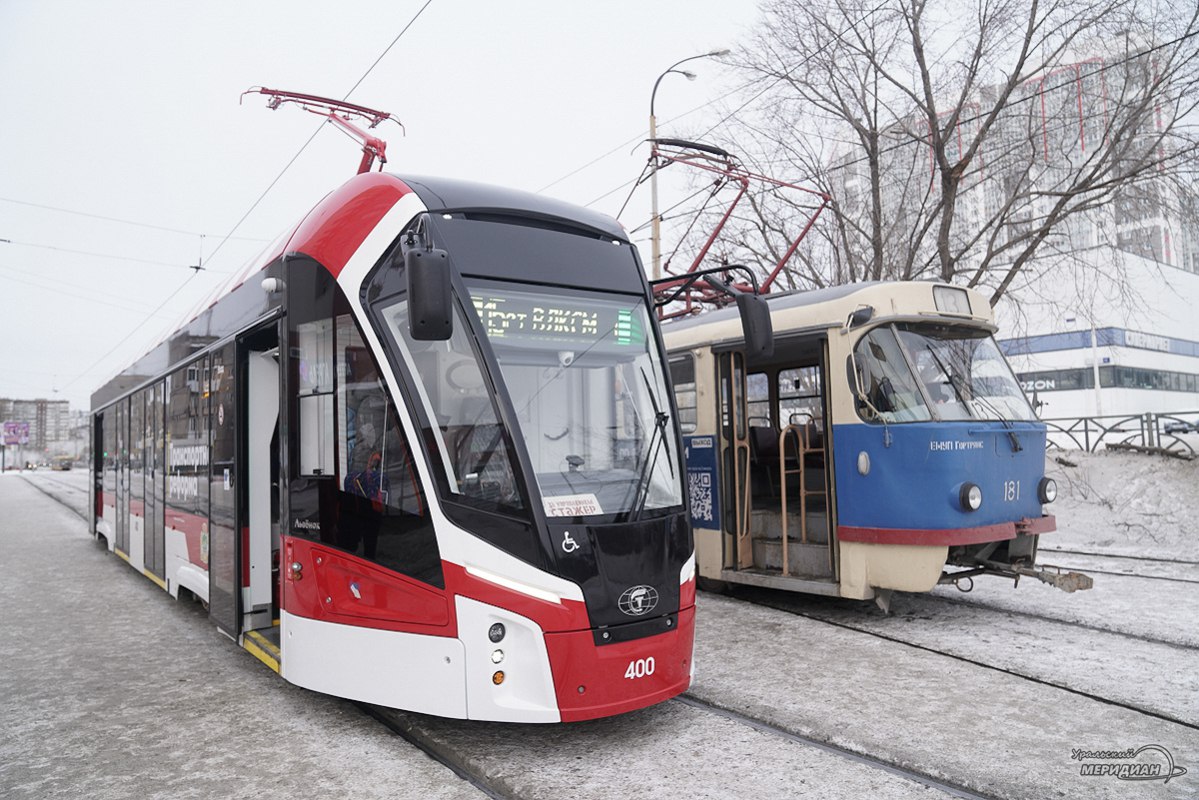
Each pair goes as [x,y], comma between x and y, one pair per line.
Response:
[638,601]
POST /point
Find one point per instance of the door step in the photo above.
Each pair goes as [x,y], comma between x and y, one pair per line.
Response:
[824,586]
[768,524]
[803,560]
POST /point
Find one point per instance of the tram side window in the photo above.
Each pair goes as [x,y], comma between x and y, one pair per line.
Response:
[884,379]
[682,375]
[757,397]
[800,396]
[187,451]
[382,509]
[356,475]
[475,446]
[315,390]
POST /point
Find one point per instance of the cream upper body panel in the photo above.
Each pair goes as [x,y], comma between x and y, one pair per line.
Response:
[830,308]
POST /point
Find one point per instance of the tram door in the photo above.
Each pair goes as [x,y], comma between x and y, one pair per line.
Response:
[244,410]
[154,560]
[258,506]
[122,460]
[223,557]
[734,434]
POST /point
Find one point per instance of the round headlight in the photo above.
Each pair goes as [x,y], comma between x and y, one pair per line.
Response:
[971,497]
[496,632]
[1047,490]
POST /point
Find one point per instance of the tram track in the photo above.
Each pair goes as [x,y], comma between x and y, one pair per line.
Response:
[1063,621]
[442,756]
[816,617]
[951,789]
[1044,550]
[1093,571]
[40,486]
[1124,566]
[458,763]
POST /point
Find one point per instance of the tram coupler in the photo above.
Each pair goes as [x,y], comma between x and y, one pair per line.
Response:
[1066,580]
[963,580]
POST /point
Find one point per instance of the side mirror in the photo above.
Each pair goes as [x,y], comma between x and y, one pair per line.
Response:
[755,321]
[430,299]
[860,316]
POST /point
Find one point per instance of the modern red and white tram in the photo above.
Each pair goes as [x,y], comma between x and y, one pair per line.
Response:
[416,458]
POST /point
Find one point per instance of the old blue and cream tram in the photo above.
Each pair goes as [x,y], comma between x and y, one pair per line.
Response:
[885,445]
[422,455]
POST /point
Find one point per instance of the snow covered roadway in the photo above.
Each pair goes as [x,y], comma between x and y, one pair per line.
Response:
[1000,693]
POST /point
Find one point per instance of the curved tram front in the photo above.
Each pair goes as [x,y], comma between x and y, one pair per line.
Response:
[413,458]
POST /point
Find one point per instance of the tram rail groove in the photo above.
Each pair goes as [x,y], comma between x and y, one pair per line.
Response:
[1044,550]
[1059,620]
[37,485]
[952,789]
[995,668]
[1092,571]
[440,755]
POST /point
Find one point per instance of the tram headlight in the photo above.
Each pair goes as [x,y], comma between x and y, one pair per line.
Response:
[496,632]
[497,656]
[971,497]
[1047,490]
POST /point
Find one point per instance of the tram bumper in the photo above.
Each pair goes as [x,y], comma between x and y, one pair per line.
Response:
[593,680]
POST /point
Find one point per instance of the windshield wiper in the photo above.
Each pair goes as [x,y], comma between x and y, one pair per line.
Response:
[952,378]
[965,397]
[1007,423]
[657,441]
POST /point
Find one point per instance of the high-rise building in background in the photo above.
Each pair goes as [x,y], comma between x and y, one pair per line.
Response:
[50,427]
[1103,320]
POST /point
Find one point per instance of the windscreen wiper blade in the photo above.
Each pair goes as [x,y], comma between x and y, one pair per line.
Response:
[958,384]
[657,441]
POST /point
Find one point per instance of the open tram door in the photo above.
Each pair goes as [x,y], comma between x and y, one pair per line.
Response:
[245,509]
[778,512]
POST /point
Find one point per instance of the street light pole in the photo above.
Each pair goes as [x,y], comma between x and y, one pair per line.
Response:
[655,219]
[1094,363]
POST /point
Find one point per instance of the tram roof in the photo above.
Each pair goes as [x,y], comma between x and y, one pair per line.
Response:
[449,194]
[898,297]
[794,299]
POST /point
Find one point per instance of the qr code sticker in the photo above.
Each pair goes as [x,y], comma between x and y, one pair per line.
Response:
[699,488]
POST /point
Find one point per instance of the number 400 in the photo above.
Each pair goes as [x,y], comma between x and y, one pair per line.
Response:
[640,668]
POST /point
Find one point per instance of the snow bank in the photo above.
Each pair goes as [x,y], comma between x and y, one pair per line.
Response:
[1125,503]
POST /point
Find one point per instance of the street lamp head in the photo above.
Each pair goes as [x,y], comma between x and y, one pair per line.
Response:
[724,51]
[688,75]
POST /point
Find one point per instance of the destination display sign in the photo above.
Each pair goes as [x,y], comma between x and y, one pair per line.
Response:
[585,322]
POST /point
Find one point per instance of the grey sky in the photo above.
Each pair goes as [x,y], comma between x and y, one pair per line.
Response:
[130,110]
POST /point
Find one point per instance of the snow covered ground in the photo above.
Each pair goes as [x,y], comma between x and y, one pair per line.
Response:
[1125,503]
[990,690]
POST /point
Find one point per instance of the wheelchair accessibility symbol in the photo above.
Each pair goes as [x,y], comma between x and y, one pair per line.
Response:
[569,545]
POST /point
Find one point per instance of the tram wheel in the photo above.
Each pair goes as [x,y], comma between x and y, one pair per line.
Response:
[712,585]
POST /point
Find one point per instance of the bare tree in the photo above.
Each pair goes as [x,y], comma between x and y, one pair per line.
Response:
[958,141]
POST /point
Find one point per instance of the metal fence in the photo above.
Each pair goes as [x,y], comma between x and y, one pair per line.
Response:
[1176,433]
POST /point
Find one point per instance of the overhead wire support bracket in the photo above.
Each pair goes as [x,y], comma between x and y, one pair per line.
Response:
[340,113]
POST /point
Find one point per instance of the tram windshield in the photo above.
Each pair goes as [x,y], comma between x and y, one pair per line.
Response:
[913,372]
[589,394]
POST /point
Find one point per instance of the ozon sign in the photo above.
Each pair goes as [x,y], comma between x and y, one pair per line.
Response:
[1039,385]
